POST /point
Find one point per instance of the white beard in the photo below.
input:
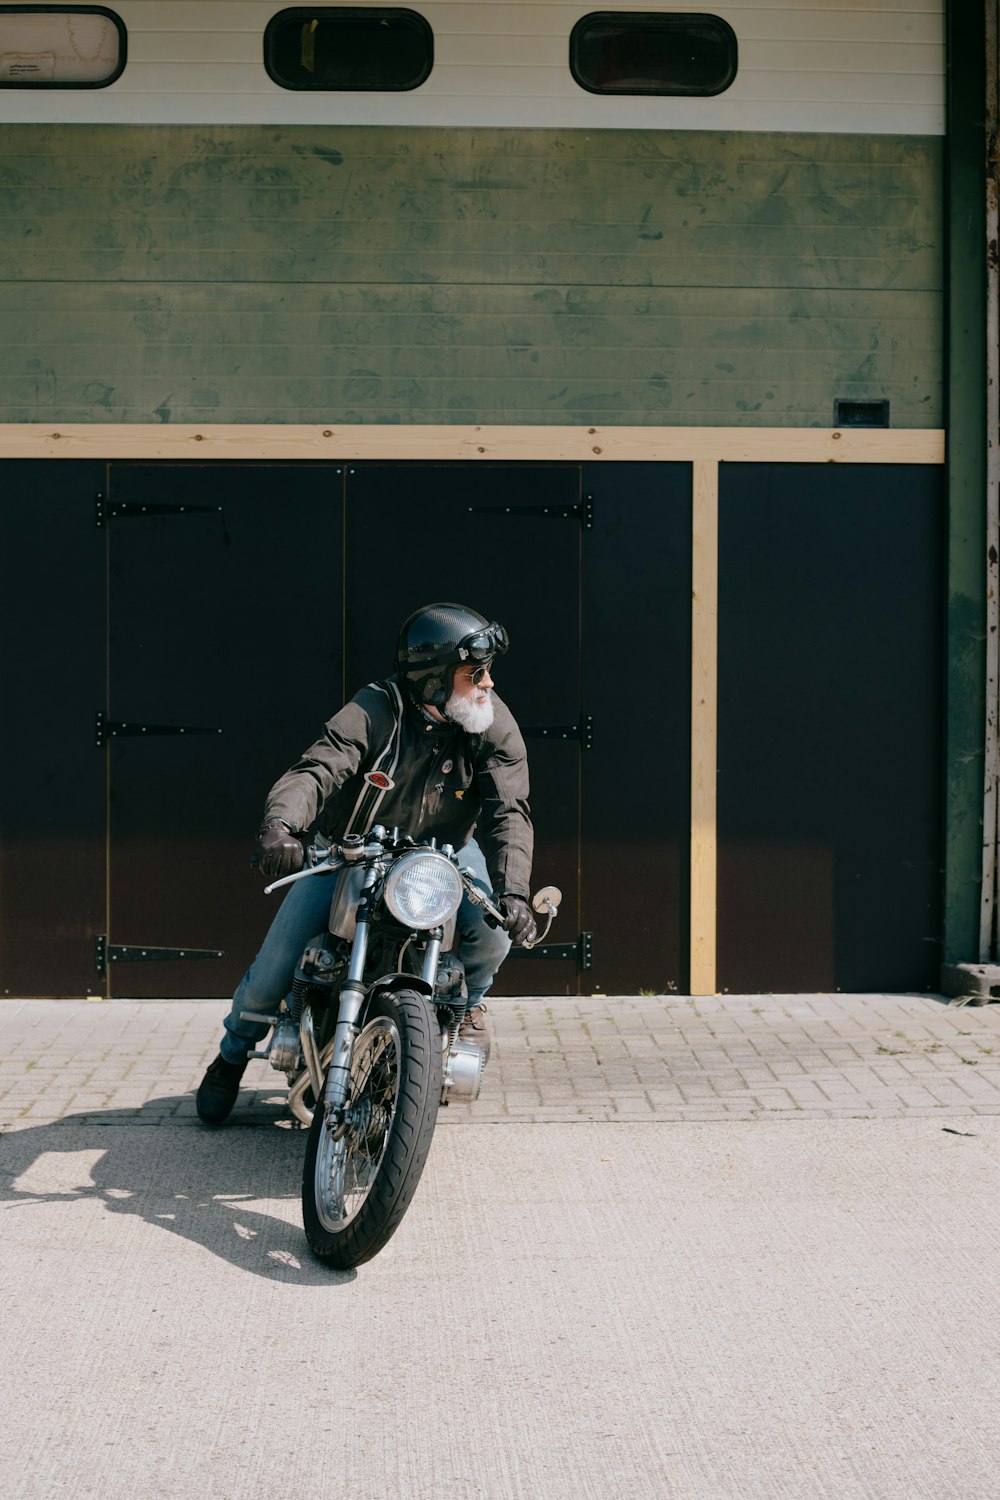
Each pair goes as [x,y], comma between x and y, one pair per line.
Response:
[474,718]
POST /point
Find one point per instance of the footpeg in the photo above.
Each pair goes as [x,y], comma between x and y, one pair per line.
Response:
[251,1015]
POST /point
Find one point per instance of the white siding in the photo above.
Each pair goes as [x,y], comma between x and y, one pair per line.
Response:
[804,65]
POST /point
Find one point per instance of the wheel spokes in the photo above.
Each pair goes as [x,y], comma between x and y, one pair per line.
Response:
[347,1166]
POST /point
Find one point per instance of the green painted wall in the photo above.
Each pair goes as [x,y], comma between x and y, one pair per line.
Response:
[401,275]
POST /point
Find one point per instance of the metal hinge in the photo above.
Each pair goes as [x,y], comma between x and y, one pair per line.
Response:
[584,512]
[131,510]
[120,953]
[105,729]
[582,951]
[584,732]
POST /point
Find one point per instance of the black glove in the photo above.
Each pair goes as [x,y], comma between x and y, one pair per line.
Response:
[517,919]
[280,851]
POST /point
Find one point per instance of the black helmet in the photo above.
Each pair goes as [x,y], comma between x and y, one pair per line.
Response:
[437,639]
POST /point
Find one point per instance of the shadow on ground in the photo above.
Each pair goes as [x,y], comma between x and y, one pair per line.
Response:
[234,1191]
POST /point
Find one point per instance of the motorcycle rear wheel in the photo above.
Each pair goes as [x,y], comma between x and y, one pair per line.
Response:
[358,1183]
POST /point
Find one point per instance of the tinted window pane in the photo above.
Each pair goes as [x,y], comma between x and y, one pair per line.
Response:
[63,47]
[347,47]
[646,52]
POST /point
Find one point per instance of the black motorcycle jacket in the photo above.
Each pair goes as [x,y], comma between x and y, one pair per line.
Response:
[381,760]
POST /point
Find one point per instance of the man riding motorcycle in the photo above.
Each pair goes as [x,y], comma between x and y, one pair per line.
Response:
[432,750]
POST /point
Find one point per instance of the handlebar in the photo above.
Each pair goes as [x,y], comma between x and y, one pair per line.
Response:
[476,895]
[477,898]
[335,860]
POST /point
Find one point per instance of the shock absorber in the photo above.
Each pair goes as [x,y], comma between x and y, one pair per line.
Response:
[457,1012]
[297,999]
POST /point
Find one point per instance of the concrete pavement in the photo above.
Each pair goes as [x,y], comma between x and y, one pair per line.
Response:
[721,1249]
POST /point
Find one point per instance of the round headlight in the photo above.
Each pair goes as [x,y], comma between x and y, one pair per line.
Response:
[423,889]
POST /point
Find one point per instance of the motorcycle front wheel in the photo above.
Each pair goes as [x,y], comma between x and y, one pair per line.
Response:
[359,1178]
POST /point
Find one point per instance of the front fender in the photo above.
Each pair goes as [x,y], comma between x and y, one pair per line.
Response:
[387,983]
[400,982]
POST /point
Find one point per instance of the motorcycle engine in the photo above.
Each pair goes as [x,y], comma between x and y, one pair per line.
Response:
[463,1071]
[285,1053]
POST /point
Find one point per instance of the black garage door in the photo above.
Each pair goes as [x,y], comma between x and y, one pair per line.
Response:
[194,625]
[830,730]
[183,630]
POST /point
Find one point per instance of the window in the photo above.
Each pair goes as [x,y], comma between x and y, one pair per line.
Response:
[60,46]
[652,52]
[337,47]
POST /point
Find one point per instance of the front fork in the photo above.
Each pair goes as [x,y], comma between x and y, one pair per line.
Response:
[352,998]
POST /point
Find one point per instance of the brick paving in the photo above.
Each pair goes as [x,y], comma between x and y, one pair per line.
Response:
[697,1277]
[628,1058]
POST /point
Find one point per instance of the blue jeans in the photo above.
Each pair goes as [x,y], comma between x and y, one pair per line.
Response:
[303,914]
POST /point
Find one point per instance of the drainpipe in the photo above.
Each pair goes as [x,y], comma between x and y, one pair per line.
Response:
[988,905]
[970,843]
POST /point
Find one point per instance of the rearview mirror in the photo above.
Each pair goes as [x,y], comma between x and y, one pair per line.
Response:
[547,899]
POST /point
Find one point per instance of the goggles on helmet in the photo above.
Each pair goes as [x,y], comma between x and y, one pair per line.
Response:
[483,645]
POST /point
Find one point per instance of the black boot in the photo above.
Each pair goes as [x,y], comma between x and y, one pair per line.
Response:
[217,1092]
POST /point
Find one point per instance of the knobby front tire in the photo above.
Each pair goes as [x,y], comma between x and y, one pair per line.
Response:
[356,1188]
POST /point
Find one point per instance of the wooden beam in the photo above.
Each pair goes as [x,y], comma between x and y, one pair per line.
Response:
[252,443]
[704,722]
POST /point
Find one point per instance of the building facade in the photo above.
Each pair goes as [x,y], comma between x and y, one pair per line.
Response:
[656,366]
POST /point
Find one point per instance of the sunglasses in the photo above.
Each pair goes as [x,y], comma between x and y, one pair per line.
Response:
[478,673]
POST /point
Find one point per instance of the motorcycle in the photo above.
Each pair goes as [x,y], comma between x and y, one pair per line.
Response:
[368,1035]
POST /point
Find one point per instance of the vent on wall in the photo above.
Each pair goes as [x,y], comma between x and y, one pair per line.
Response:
[860,413]
[60,46]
